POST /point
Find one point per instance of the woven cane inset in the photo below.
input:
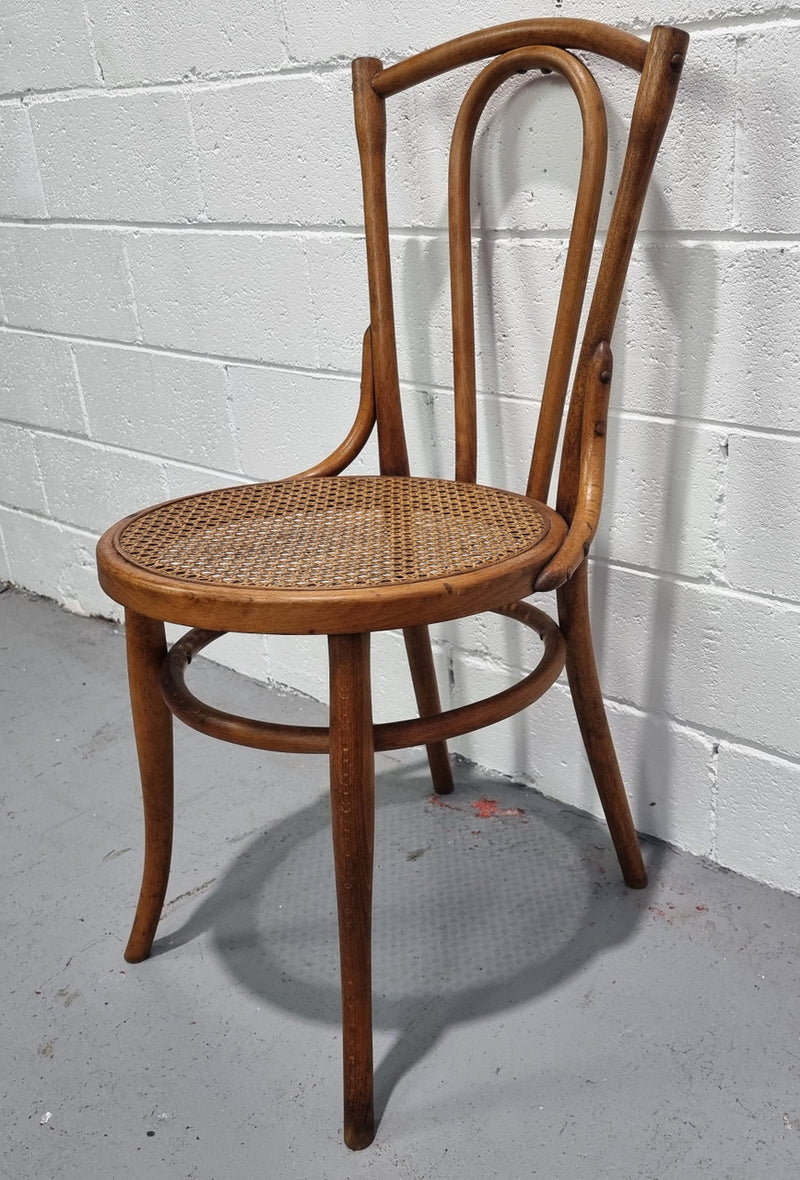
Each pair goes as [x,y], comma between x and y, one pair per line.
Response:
[337,533]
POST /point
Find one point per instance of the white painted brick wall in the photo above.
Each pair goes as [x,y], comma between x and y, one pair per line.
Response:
[45,46]
[163,40]
[67,280]
[155,178]
[182,301]
[21,192]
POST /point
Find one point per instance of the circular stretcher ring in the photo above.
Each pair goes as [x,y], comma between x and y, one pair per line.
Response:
[392,735]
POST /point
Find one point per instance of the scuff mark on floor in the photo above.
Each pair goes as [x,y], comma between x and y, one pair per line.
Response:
[438,802]
[176,901]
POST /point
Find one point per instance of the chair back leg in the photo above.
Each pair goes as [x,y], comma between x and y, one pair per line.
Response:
[573,614]
[426,690]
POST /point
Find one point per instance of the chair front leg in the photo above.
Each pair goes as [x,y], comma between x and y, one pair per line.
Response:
[573,615]
[352,771]
[152,724]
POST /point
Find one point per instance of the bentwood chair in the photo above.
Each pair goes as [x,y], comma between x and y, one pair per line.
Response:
[348,555]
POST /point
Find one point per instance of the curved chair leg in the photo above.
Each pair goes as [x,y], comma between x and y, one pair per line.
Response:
[426,690]
[352,769]
[573,610]
[152,724]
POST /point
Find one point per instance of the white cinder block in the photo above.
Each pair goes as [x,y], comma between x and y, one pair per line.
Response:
[20,483]
[504,642]
[506,430]
[20,186]
[242,295]
[123,157]
[667,328]
[5,568]
[182,480]
[430,432]
[768,180]
[512,331]
[525,161]
[91,487]
[754,374]
[66,280]
[171,406]
[763,514]
[264,158]
[692,184]
[286,422]
[395,28]
[45,46]
[666,771]
[392,690]
[758,816]
[665,767]
[527,152]
[390,30]
[244,653]
[319,32]
[159,40]
[337,267]
[660,502]
[37,382]
[708,332]
[52,559]
[300,661]
[704,655]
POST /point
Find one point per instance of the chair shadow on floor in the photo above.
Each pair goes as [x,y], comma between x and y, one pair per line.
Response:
[478,906]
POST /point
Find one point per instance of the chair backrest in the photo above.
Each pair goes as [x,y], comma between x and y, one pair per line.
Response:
[516,48]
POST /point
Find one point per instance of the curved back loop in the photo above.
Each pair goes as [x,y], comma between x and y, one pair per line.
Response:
[518,47]
[579,254]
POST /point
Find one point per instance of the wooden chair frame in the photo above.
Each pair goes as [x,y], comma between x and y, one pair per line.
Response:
[556,562]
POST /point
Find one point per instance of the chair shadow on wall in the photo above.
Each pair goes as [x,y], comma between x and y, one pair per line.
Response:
[649,758]
[473,915]
[685,363]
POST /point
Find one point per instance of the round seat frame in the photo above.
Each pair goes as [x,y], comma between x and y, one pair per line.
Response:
[379,552]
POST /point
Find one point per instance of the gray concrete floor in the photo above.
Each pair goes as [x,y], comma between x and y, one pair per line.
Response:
[533,1017]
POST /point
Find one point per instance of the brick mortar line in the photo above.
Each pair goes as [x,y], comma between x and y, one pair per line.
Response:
[112,448]
[36,160]
[87,426]
[223,81]
[779,17]
[732,236]
[4,551]
[690,728]
[410,387]
[713,801]
[87,19]
[686,580]
[40,473]
[131,286]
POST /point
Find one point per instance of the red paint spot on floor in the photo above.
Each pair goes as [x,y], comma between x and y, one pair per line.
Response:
[489,808]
